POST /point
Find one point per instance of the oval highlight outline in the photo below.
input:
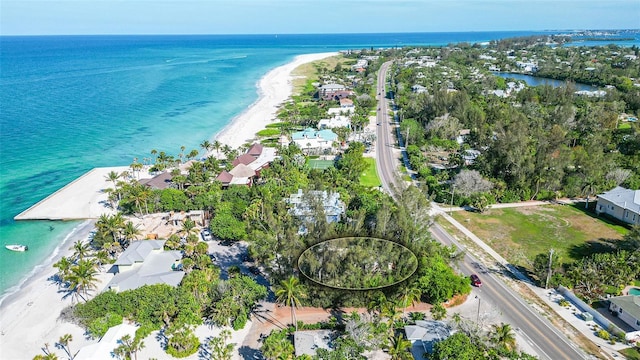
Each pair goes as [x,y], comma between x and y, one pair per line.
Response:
[407,259]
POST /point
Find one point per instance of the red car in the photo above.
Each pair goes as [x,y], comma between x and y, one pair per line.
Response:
[475,280]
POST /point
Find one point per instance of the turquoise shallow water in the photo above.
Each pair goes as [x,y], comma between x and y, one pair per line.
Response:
[71,103]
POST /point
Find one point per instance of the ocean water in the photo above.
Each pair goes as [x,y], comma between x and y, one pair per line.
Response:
[71,103]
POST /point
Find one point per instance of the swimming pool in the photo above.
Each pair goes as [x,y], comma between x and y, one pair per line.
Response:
[634,291]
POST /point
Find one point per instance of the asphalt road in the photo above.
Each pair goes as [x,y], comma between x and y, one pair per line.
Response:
[543,337]
[386,162]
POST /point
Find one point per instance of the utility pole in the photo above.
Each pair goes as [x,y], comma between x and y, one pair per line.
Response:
[546,286]
[478,316]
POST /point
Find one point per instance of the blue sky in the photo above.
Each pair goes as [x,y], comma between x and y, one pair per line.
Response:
[52,17]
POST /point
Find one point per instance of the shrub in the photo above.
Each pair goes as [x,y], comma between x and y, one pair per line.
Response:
[563,303]
[99,327]
[182,342]
[240,321]
[603,334]
[268,132]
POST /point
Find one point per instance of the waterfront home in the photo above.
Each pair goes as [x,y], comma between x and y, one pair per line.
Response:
[595,93]
[158,182]
[247,167]
[334,122]
[146,263]
[327,89]
[339,111]
[620,203]
[103,349]
[312,140]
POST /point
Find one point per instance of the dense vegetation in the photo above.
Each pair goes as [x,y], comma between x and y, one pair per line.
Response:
[261,216]
[607,270]
[357,263]
[537,143]
[202,296]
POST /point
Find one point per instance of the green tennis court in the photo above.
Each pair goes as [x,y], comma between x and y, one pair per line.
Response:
[320,164]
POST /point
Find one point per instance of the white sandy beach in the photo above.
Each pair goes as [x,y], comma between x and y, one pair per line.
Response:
[30,318]
[274,88]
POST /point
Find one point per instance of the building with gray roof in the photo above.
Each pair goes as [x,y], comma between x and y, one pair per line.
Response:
[146,263]
[620,203]
[306,342]
[425,334]
[627,308]
[303,203]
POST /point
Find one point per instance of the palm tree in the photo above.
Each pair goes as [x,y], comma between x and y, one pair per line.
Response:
[217,145]
[502,335]
[188,227]
[48,355]
[399,348]
[409,296]
[113,176]
[377,303]
[206,145]
[83,278]
[135,168]
[130,231]
[80,250]
[64,268]
[63,343]
[192,154]
[289,294]
[129,347]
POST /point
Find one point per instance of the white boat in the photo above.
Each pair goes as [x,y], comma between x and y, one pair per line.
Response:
[17,247]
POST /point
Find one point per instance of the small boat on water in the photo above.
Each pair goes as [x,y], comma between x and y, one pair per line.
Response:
[17,247]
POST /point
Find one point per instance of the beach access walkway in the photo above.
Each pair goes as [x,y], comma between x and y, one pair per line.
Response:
[83,198]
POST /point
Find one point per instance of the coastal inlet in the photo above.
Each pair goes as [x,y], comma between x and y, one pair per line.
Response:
[357,263]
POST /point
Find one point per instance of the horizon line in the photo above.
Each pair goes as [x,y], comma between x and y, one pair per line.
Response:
[331,33]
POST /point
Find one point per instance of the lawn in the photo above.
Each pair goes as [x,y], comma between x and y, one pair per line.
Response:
[308,71]
[369,176]
[631,353]
[519,234]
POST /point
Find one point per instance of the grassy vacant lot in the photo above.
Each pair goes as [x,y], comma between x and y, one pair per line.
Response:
[369,176]
[519,234]
[631,353]
[308,71]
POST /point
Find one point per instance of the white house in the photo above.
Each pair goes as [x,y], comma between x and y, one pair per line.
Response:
[627,309]
[620,203]
[103,349]
[314,140]
[330,88]
[146,263]
[334,122]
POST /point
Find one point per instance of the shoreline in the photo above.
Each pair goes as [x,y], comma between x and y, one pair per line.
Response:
[29,316]
[274,88]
